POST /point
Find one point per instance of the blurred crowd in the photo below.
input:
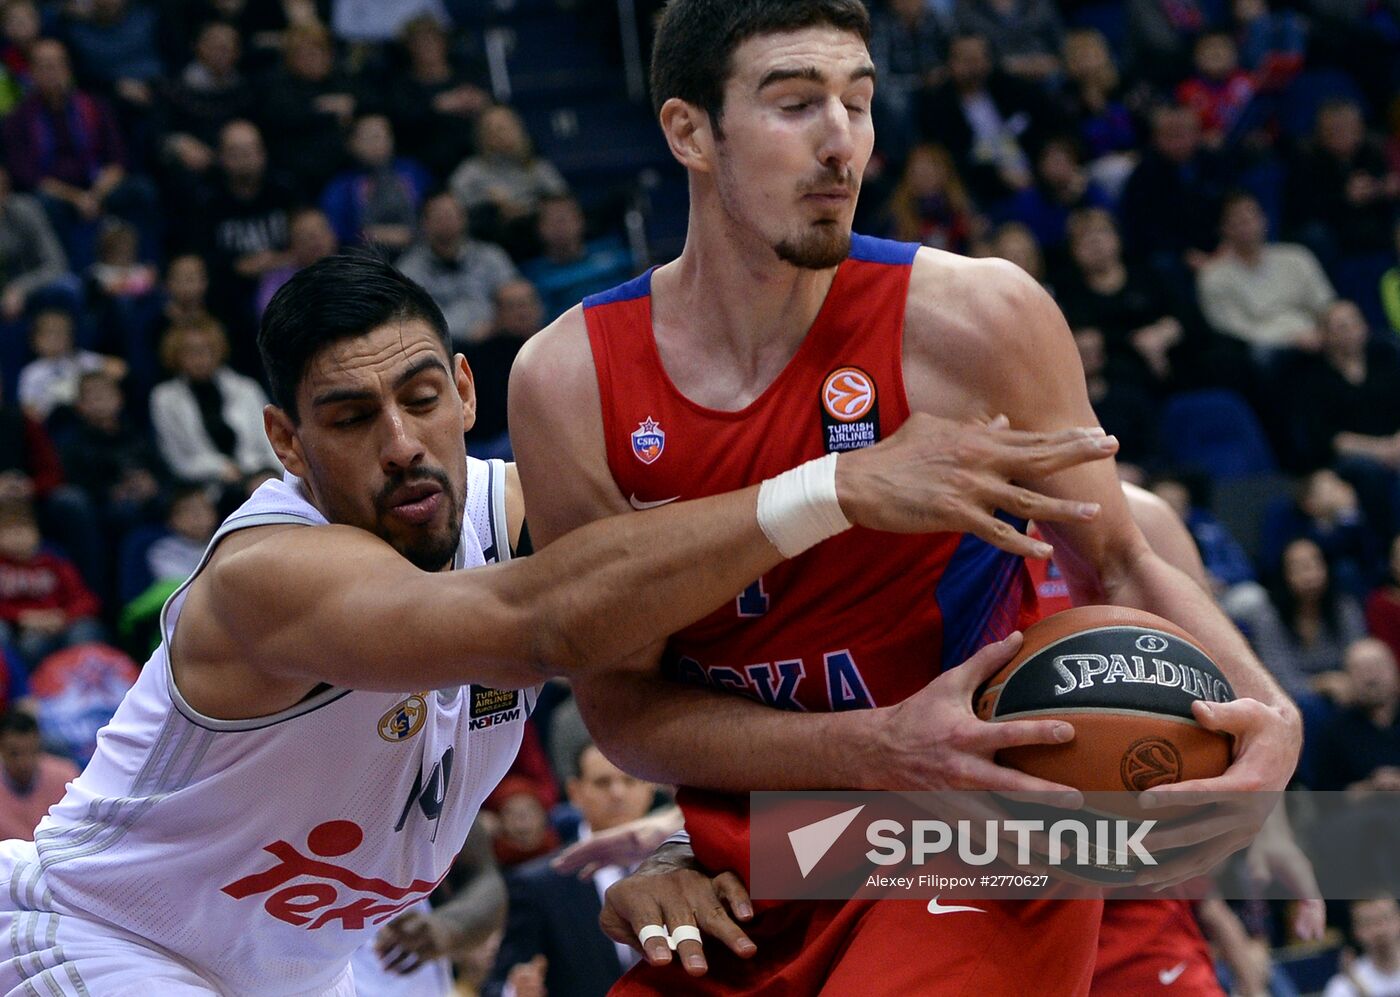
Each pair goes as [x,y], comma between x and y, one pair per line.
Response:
[1209,189]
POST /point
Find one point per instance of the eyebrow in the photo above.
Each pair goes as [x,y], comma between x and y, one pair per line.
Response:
[811,74]
[362,394]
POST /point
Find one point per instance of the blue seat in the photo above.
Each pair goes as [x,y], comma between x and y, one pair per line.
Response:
[1215,432]
[611,138]
[1110,19]
[1359,279]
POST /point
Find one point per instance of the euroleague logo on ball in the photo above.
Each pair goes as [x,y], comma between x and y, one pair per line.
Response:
[1150,761]
[848,394]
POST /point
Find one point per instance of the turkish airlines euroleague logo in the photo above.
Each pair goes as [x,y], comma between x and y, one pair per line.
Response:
[848,394]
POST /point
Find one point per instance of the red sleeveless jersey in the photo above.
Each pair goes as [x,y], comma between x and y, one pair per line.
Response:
[864,619]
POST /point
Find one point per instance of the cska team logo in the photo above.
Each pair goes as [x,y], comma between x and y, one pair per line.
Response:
[648,440]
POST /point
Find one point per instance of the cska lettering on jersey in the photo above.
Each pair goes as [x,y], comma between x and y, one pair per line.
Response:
[309,892]
[779,683]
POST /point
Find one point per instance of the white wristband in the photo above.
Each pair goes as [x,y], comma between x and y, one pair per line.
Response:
[681,837]
[798,509]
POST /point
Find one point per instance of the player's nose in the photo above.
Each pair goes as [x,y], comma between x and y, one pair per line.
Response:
[399,447]
[838,141]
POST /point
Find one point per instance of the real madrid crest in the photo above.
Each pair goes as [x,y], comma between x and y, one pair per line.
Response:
[404,719]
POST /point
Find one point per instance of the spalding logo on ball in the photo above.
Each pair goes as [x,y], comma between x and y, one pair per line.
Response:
[1126,680]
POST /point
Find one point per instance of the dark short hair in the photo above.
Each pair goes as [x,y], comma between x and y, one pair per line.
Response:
[692,56]
[339,297]
[18,722]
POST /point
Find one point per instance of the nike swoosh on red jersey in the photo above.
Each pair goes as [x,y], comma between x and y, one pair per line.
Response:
[641,506]
[934,907]
[1167,977]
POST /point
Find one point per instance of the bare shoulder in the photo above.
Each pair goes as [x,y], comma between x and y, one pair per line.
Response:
[556,363]
[556,428]
[982,330]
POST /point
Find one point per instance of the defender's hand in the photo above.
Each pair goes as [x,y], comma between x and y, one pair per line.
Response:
[623,845]
[936,475]
[671,891]
[412,939]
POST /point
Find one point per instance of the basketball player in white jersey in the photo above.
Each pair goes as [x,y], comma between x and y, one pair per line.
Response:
[331,701]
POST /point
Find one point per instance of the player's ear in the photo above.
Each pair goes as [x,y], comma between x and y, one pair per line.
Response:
[282,434]
[466,387]
[689,133]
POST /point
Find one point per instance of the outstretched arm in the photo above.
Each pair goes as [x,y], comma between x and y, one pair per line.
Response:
[667,732]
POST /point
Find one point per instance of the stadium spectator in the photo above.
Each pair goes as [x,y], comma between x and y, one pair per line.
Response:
[209,93]
[31,471]
[208,420]
[1025,35]
[1267,294]
[44,605]
[462,274]
[378,200]
[1302,631]
[1271,43]
[1123,407]
[31,257]
[31,779]
[1015,242]
[311,238]
[368,21]
[1327,513]
[1220,92]
[1171,202]
[191,520]
[242,230]
[1375,925]
[308,108]
[1383,604]
[1062,186]
[1146,342]
[65,145]
[1343,194]
[519,315]
[20,27]
[1345,405]
[986,119]
[1359,748]
[929,204]
[501,186]
[908,45]
[555,915]
[436,102]
[51,379]
[1096,100]
[119,272]
[569,268]
[1225,561]
[521,821]
[114,49]
[1159,37]
[116,466]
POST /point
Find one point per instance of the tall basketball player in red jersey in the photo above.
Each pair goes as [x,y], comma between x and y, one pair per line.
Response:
[778,337]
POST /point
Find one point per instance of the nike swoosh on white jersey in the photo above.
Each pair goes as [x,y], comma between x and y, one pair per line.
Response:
[641,506]
[934,907]
[1167,977]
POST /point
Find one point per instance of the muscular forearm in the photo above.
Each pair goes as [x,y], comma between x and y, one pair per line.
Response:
[610,590]
[667,732]
[1152,584]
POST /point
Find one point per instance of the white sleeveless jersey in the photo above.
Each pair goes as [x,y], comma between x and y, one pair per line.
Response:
[263,852]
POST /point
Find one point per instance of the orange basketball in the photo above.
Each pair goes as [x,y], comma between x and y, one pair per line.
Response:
[1126,680]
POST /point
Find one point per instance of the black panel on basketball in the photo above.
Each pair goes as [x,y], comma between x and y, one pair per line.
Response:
[1116,668]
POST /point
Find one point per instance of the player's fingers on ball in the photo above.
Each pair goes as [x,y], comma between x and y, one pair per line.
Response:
[984,663]
[986,775]
[993,736]
[1192,833]
[731,890]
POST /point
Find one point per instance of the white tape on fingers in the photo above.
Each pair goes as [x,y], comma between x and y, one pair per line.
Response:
[684,933]
[650,931]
